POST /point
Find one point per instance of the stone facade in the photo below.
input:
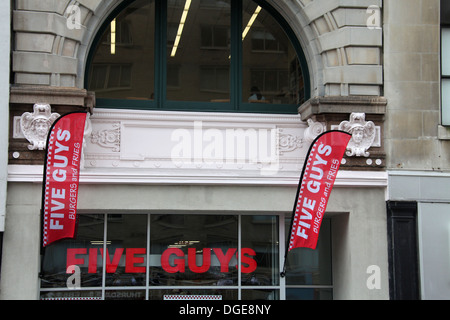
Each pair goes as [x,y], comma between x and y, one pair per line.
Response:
[370,62]
[343,54]
[414,138]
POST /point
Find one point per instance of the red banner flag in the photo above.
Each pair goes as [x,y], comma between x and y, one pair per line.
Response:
[61,177]
[318,176]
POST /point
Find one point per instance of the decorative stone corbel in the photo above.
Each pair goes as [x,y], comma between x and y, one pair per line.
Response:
[35,126]
[314,129]
[87,133]
[363,134]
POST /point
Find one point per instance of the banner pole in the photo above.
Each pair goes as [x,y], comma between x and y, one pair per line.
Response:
[44,185]
[288,242]
[298,205]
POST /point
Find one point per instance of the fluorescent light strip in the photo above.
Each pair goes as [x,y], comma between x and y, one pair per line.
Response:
[250,23]
[113,36]
[180,27]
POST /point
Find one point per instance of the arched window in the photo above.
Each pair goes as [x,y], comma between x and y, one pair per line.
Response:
[198,55]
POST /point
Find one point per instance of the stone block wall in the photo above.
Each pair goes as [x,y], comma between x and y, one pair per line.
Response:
[414,138]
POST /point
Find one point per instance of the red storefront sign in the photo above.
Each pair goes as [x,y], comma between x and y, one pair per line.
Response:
[317,181]
[62,169]
[135,256]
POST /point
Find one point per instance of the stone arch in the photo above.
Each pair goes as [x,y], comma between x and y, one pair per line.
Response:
[343,55]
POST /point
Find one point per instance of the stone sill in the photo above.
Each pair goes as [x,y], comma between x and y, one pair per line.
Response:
[443,133]
[52,96]
[342,105]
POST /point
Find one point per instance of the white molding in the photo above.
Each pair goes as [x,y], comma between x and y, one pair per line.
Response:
[136,147]
[34,174]
[409,173]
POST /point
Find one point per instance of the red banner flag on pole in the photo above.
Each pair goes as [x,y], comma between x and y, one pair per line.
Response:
[318,176]
[61,177]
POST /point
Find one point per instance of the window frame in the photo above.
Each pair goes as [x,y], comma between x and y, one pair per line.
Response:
[444,24]
[445,109]
[236,103]
[280,286]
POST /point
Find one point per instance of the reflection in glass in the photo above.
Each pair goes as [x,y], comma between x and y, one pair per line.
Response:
[123,62]
[192,250]
[311,267]
[309,294]
[126,250]
[260,234]
[260,294]
[271,69]
[59,255]
[198,50]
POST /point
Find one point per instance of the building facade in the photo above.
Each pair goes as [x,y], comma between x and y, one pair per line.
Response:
[201,113]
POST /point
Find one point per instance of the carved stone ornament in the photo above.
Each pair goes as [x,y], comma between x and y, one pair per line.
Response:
[313,131]
[108,138]
[35,126]
[363,134]
[289,142]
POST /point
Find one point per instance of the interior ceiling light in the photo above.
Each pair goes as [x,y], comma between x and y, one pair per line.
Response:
[181,27]
[251,21]
[113,36]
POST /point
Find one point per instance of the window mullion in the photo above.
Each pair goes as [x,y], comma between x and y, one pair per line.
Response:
[160,63]
[236,54]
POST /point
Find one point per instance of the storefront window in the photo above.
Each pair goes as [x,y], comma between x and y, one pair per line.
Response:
[82,252]
[126,250]
[308,272]
[193,250]
[151,256]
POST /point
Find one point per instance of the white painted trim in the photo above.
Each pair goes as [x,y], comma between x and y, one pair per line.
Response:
[408,173]
[33,174]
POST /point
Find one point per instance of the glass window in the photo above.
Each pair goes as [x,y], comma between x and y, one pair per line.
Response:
[260,262]
[126,250]
[147,256]
[445,75]
[270,63]
[205,55]
[445,62]
[122,65]
[200,48]
[308,272]
[193,250]
[82,252]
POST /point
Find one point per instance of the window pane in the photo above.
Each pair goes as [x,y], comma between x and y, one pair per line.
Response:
[126,250]
[445,52]
[200,48]
[122,66]
[260,260]
[193,250]
[261,294]
[446,102]
[271,70]
[445,12]
[311,267]
[81,251]
[309,294]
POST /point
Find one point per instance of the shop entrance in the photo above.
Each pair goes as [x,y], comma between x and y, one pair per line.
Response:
[155,256]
